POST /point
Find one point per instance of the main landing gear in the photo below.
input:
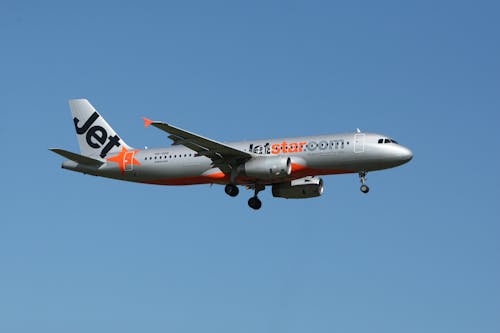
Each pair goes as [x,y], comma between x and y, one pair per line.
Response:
[254,202]
[362,177]
[231,190]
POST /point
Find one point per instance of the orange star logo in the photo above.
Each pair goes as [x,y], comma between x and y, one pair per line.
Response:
[125,158]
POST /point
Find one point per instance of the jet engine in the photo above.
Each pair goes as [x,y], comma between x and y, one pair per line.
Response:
[268,167]
[308,187]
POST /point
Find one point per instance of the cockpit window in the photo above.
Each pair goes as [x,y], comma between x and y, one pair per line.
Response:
[385,140]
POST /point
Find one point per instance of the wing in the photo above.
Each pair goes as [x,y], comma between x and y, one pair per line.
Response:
[222,156]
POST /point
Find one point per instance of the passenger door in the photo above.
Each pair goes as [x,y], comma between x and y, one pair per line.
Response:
[359,142]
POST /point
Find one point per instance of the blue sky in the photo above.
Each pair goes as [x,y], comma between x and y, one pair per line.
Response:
[420,253]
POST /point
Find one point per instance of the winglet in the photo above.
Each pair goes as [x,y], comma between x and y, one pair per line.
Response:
[147,121]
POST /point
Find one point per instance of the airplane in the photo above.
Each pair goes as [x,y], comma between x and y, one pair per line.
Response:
[290,166]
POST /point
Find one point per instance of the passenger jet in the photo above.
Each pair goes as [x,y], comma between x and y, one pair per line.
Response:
[290,166]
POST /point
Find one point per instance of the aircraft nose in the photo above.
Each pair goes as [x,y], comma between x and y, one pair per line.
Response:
[405,154]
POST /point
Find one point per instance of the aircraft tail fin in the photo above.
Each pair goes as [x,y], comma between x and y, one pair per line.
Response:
[77,157]
[96,138]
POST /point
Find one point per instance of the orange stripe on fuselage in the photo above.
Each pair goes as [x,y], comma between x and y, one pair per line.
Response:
[298,171]
[218,177]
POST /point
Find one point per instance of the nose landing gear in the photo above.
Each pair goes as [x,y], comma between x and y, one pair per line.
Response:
[362,177]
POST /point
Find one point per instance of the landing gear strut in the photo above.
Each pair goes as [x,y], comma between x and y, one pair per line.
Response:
[254,202]
[231,190]
[362,177]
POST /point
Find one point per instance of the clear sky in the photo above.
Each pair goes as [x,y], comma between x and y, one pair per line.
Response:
[419,253]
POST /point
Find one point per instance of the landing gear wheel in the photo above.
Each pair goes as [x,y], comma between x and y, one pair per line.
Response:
[255,203]
[231,190]
[362,178]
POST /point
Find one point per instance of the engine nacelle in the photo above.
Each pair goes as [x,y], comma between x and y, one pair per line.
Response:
[268,167]
[308,187]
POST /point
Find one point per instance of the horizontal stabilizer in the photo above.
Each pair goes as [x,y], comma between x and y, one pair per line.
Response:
[77,157]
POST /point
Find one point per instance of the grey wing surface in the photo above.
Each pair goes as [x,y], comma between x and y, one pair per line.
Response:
[222,156]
